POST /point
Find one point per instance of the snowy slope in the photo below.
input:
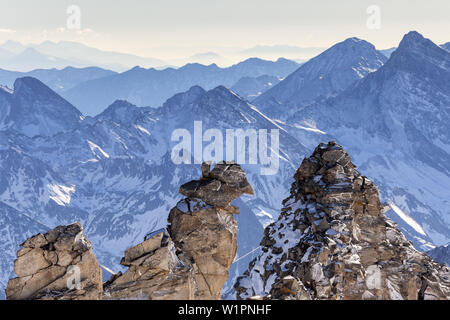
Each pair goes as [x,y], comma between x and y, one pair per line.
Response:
[114,174]
[324,76]
[394,124]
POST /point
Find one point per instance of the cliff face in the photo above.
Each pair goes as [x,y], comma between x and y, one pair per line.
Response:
[333,241]
[56,265]
[191,259]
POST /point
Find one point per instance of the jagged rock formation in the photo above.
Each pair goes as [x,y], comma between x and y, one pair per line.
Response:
[191,258]
[58,265]
[333,241]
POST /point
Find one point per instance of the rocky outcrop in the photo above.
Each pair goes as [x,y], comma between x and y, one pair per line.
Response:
[58,265]
[333,241]
[189,259]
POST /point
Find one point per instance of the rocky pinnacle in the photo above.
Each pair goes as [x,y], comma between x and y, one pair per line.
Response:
[189,259]
[333,241]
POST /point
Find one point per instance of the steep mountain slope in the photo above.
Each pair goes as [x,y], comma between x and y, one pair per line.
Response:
[58,80]
[324,76]
[34,109]
[395,124]
[114,173]
[151,87]
[332,241]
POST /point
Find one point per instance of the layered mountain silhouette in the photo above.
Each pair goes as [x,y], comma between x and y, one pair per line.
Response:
[58,80]
[151,87]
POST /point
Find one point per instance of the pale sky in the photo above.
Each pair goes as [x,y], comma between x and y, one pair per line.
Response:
[171,28]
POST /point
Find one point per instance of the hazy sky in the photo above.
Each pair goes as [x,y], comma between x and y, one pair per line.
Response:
[182,27]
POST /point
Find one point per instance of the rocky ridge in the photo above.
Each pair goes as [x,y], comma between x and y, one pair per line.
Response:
[333,241]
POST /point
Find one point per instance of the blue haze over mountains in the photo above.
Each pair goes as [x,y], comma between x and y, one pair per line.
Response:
[110,168]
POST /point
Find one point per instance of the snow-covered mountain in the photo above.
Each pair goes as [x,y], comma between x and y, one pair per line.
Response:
[395,124]
[114,172]
[34,109]
[151,87]
[324,76]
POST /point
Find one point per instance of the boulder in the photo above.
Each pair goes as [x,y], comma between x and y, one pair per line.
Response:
[59,265]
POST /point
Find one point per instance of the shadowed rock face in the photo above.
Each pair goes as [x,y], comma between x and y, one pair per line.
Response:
[191,258]
[333,241]
[49,266]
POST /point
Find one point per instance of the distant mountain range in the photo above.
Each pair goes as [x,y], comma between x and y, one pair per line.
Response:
[17,57]
[272,52]
[58,79]
[151,87]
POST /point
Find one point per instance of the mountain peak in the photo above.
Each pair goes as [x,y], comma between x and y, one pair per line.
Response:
[24,84]
[37,110]
[414,40]
[415,51]
[325,75]
[121,111]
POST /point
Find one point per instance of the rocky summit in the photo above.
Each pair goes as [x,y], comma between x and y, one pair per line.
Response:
[189,259]
[333,241]
[58,265]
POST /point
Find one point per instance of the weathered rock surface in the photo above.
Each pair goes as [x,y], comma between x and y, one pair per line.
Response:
[333,241]
[189,259]
[58,265]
